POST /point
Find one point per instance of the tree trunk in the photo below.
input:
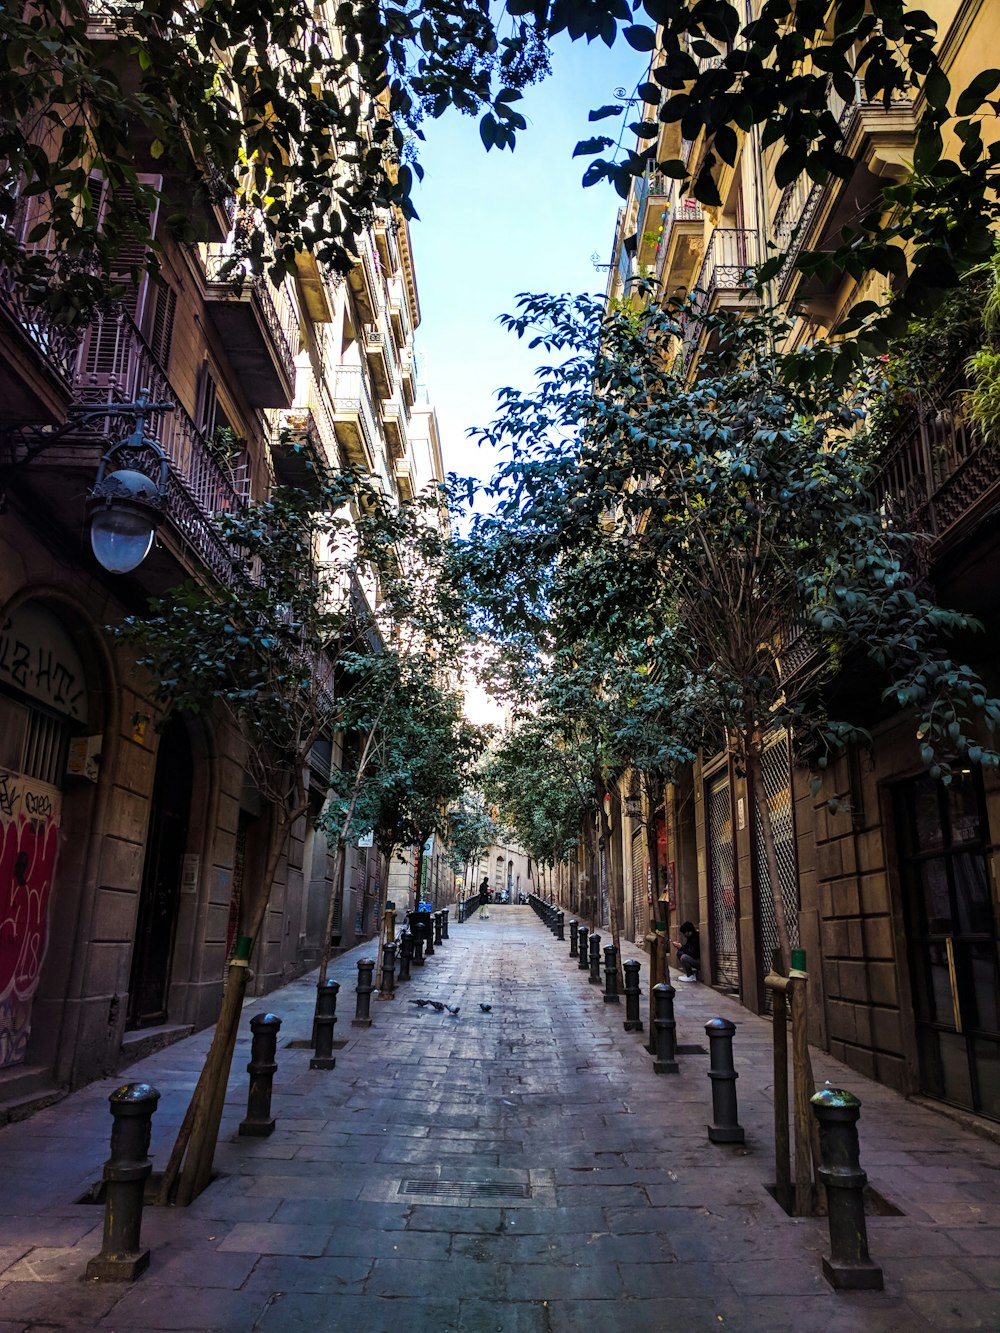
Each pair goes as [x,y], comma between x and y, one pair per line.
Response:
[189,1168]
[616,939]
[339,868]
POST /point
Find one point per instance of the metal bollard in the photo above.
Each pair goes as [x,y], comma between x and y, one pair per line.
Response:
[428,927]
[461,910]
[611,975]
[583,961]
[633,1023]
[438,928]
[594,944]
[259,1121]
[665,1030]
[405,955]
[363,1009]
[387,984]
[417,955]
[444,923]
[574,931]
[849,1267]
[125,1174]
[326,1018]
[561,926]
[725,1127]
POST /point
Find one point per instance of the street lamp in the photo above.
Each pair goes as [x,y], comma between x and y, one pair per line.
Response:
[127,504]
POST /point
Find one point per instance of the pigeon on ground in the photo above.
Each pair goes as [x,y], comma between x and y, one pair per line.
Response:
[486,1008]
[420,1002]
[453,1009]
[437,1006]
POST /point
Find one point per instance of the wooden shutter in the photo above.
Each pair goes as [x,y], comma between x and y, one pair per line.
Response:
[162,303]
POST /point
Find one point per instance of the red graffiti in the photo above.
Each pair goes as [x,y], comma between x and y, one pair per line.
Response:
[28,850]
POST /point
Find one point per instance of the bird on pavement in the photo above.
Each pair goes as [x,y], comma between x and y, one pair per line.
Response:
[486,1008]
[437,1006]
[453,1009]
[420,1002]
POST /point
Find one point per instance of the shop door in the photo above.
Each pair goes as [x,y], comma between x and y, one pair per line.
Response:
[951,926]
[166,844]
[640,885]
[722,886]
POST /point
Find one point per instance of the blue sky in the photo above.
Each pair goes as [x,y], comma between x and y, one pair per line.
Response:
[495,224]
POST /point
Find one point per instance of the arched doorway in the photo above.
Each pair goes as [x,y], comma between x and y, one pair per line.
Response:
[43,708]
[166,843]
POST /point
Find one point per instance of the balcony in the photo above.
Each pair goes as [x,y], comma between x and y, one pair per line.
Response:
[260,342]
[404,478]
[37,358]
[682,243]
[652,207]
[385,239]
[353,416]
[408,377]
[725,282]
[379,354]
[297,453]
[113,364]
[365,283]
[879,140]
[938,476]
[394,421]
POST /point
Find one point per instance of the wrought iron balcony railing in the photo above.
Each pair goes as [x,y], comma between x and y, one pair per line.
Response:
[113,365]
[282,327]
[937,469]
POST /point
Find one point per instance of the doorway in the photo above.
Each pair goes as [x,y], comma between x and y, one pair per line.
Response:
[722,885]
[951,930]
[166,844]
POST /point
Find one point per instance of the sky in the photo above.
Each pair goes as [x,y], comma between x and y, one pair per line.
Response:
[495,224]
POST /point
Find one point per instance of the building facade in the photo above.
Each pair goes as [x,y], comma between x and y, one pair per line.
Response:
[125,837]
[892,890]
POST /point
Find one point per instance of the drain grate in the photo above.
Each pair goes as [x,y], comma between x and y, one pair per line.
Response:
[480,1189]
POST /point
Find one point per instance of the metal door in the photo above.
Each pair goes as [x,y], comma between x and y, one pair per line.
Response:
[722,885]
[951,921]
[776,769]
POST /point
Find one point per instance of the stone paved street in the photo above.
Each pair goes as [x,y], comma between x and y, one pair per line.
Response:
[517,1171]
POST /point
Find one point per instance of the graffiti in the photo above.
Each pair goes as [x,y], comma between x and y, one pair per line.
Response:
[38,658]
[9,795]
[29,842]
[38,803]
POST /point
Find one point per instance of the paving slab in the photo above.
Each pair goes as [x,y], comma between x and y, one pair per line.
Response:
[520,1171]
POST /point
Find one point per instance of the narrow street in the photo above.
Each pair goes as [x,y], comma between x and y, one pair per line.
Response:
[520,1169]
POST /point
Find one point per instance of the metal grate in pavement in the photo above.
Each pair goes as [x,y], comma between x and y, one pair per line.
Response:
[482,1189]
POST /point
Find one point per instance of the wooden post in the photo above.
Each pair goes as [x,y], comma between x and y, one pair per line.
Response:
[782,1145]
[802,1092]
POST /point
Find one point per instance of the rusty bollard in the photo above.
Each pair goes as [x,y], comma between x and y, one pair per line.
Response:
[633,1023]
[126,1171]
[594,944]
[405,955]
[665,1034]
[259,1122]
[849,1267]
[363,1009]
[574,931]
[583,962]
[725,1127]
[387,985]
[326,1019]
[611,975]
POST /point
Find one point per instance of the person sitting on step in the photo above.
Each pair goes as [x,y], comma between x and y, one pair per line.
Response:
[688,952]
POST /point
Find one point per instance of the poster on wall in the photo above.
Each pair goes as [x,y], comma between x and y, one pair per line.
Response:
[29,843]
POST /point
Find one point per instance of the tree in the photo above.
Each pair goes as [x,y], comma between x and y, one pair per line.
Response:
[291,651]
[471,830]
[739,508]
